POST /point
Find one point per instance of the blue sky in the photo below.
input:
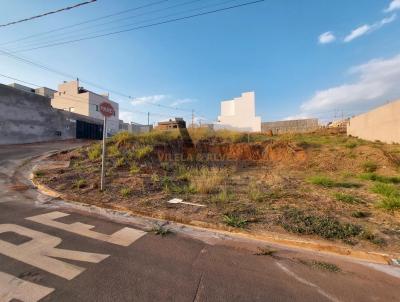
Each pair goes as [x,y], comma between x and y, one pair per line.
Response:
[303,58]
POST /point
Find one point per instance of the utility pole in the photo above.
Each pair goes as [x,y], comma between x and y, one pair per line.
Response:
[148,118]
[192,118]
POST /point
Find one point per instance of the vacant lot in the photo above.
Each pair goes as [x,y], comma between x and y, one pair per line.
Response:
[319,185]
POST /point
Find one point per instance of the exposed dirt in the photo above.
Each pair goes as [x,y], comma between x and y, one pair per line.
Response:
[254,183]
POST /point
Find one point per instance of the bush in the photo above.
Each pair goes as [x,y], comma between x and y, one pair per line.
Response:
[369,167]
[385,189]
[80,183]
[126,192]
[296,221]
[255,193]
[234,221]
[360,214]
[122,138]
[94,152]
[142,152]
[206,180]
[134,169]
[223,196]
[380,178]
[347,198]
[390,203]
[113,150]
[322,181]
[120,162]
[326,182]
[39,173]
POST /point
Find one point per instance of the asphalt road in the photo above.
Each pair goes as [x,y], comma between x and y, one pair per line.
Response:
[72,256]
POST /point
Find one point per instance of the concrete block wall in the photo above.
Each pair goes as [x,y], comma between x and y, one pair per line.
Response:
[382,123]
[26,117]
[291,126]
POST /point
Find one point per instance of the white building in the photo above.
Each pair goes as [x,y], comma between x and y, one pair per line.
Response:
[71,97]
[239,114]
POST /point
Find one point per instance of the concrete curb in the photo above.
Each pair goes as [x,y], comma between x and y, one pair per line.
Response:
[267,237]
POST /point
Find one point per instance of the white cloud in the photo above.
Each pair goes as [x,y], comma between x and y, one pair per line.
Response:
[126,116]
[150,99]
[182,101]
[394,5]
[368,28]
[327,37]
[376,81]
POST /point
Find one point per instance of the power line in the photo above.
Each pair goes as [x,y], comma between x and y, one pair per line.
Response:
[147,25]
[84,22]
[84,81]
[74,98]
[48,13]
[45,39]
[58,38]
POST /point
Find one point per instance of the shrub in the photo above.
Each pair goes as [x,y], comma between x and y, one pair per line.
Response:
[385,189]
[234,221]
[368,235]
[390,203]
[380,178]
[160,230]
[347,198]
[326,182]
[223,196]
[134,169]
[351,145]
[113,150]
[120,162]
[296,221]
[80,183]
[94,152]
[206,180]
[142,152]
[122,138]
[39,173]
[322,181]
[255,193]
[360,214]
[369,167]
[126,192]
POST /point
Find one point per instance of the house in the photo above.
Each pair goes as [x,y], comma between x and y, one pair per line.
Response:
[43,91]
[177,123]
[71,97]
[239,114]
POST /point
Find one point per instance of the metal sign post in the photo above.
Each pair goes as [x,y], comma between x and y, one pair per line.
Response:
[103,155]
[106,110]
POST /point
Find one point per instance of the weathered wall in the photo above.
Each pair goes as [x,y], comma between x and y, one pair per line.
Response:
[27,117]
[382,123]
[291,126]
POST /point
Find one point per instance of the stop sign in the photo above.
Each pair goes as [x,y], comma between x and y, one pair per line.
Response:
[106,109]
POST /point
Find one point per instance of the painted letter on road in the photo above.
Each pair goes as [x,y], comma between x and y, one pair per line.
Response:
[38,252]
[14,288]
[124,237]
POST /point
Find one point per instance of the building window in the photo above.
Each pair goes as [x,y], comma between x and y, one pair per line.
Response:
[114,113]
[97,108]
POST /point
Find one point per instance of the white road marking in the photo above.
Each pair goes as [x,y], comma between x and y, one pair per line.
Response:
[304,281]
[37,252]
[12,287]
[124,237]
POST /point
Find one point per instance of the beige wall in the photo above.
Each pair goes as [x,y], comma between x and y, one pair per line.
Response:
[382,123]
[85,103]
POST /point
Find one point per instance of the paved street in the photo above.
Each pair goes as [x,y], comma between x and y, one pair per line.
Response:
[51,253]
